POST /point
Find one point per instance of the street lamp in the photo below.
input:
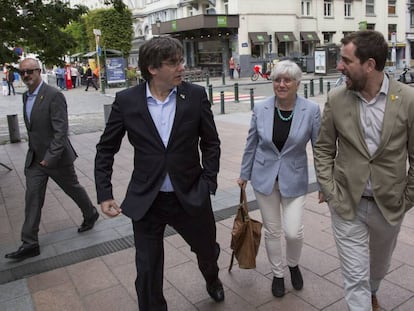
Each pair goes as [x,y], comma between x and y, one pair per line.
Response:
[97,33]
[158,24]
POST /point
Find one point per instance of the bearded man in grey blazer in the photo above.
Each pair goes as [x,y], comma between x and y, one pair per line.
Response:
[50,154]
[365,141]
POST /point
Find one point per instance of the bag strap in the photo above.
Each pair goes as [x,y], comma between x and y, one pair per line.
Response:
[243,205]
[231,261]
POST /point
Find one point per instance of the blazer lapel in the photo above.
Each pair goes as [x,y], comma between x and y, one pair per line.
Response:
[392,107]
[181,103]
[26,121]
[299,114]
[268,121]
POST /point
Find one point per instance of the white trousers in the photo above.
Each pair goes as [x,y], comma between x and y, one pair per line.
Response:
[365,246]
[277,213]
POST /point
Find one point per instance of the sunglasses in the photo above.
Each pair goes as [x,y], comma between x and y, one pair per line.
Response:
[28,71]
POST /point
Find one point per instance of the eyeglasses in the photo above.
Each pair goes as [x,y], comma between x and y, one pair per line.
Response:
[284,80]
[28,71]
[174,63]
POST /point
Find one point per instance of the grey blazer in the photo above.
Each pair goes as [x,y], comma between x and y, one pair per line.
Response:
[48,129]
[262,162]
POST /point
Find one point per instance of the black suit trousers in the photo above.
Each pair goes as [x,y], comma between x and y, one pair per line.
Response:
[198,231]
[37,177]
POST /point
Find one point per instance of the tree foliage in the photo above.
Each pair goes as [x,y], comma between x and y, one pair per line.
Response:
[37,26]
[116,28]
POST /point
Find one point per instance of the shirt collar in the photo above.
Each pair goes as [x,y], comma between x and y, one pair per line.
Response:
[383,90]
[149,94]
[35,91]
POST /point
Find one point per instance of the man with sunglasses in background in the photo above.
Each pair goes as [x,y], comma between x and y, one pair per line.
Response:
[50,154]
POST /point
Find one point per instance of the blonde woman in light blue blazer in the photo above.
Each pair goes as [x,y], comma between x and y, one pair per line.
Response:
[276,163]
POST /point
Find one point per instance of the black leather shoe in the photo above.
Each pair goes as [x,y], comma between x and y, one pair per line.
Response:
[24,253]
[215,290]
[296,278]
[278,287]
[89,223]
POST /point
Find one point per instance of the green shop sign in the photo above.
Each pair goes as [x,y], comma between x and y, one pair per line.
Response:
[221,21]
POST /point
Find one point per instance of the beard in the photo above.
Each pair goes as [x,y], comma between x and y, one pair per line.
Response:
[356,85]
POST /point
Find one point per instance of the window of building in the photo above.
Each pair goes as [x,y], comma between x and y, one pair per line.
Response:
[391,7]
[226,7]
[306,7]
[348,8]
[345,33]
[370,7]
[370,26]
[392,28]
[327,8]
[327,37]
[412,17]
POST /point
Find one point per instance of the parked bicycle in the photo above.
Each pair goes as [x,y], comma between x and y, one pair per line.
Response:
[258,73]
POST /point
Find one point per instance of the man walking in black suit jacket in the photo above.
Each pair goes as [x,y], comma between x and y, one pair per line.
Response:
[50,154]
[170,125]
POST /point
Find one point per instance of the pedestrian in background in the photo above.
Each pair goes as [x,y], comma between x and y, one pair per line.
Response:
[275,160]
[50,154]
[231,67]
[89,78]
[176,161]
[10,80]
[364,160]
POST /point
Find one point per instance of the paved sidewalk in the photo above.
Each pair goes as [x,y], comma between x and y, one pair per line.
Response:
[96,271]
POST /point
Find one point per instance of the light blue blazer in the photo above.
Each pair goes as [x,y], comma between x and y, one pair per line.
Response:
[262,162]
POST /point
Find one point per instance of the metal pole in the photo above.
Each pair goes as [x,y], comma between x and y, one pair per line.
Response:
[328,86]
[221,102]
[312,94]
[14,131]
[223,78]
[236,92]
[320,85]
[207,79]
[210,94]
[251,99]
[305,91]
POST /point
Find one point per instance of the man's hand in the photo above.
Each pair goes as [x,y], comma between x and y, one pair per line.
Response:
[43,163]
[110,208]
[321,197]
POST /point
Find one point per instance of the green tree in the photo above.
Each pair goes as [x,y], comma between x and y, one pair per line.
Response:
[37,26]
[78,31]
[116,28]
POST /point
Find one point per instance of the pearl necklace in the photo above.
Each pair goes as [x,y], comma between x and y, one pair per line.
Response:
[281,116]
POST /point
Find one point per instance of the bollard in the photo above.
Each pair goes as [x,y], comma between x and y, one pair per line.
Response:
[207,79]
[305,91]
[107,112]
[236,92]
[14,131]
[320,85]
[328,86]
[311,93]
[223,78]
[210,94]
[251,99]
[222,102]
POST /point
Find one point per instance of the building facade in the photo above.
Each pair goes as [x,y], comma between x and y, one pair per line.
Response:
[260,32]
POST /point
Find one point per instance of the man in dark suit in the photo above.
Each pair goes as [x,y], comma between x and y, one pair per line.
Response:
[169,124]
[50,154]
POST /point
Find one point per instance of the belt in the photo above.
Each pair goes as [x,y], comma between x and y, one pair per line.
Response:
[369,198]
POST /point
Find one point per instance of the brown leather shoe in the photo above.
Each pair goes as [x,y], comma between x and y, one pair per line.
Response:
[375,303]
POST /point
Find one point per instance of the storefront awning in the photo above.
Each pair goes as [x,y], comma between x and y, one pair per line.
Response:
[259,38]
[309,36]
[285,36]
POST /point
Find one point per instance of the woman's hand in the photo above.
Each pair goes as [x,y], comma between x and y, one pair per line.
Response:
[242,183]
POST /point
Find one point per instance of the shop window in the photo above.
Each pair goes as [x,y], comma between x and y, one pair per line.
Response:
[392,28]
[256,50]
[327,37]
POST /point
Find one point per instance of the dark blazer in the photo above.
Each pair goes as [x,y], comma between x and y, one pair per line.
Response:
[48,129]
[193,133]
